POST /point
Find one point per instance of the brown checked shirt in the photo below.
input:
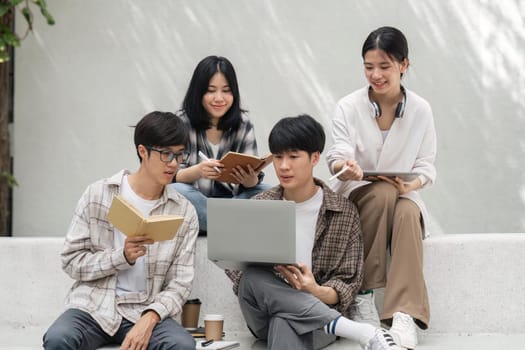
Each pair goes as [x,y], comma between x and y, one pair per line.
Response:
[337,255]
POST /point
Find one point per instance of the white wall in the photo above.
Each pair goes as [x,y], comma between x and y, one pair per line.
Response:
[82,82]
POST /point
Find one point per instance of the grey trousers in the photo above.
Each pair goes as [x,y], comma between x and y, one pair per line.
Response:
[285,317]
[77,330]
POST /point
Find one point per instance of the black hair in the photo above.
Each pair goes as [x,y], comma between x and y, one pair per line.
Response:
[300,133]
[192,104]
[388,39]
[161,129]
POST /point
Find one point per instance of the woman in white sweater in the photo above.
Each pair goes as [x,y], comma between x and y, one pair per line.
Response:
[385,127]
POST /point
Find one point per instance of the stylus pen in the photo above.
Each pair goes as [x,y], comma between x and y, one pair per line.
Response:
[206,343]
[345,168]
[203,156]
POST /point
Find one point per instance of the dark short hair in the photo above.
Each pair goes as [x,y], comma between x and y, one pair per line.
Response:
[192,104]
[160,129]
[300,133]
[389,39]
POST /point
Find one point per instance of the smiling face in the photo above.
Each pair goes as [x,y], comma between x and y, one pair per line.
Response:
[383,73]
[218,99]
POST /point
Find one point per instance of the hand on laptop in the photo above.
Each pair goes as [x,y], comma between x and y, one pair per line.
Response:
[299,277]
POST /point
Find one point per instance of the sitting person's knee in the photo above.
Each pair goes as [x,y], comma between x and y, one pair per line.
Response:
[406,208]
[56,339]
[185,343]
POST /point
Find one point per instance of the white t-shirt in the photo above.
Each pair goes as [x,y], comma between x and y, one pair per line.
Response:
[214,149]
[132,280]
[305,224]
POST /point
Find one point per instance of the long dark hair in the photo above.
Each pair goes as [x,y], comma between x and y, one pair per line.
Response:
[192,104]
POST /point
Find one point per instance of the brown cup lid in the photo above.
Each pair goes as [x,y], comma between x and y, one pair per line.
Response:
[193,301]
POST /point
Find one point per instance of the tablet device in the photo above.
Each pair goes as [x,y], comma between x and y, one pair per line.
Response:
[405,176]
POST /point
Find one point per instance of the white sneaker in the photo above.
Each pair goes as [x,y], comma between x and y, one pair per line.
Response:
[382,340]
[363,310]
[404,330]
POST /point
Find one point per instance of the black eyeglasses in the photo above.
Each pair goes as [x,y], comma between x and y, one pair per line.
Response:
[167,156]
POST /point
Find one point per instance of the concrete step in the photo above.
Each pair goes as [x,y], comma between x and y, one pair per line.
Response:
[22,340]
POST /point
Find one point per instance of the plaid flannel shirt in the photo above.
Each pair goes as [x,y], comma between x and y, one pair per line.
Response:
[242,141]
[90,259]
[337,255]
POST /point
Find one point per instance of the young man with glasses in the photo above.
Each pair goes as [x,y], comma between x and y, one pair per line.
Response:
[128,290]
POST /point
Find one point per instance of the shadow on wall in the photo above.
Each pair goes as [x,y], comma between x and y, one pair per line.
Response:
[479,119]
[291,57]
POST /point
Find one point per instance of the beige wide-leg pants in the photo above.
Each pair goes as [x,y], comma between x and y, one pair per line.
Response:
[389,221]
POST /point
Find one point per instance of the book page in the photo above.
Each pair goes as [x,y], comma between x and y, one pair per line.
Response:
[128,220]
[124,216]
[161,227]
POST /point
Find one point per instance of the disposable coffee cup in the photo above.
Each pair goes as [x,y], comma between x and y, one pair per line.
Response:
[213,326]
[190,314]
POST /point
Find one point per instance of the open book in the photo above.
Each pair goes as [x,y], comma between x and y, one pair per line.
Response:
[233,159]
[129,220]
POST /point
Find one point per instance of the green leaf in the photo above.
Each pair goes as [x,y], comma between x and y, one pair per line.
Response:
[47,15]
[11,38]
[4,29]
[40,3]
[11,181]
[4,8]
[26,12]
[15,2]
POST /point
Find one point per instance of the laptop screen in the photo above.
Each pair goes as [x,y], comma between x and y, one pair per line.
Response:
[244,232]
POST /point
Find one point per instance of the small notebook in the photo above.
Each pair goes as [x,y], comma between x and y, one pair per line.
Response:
[218,345]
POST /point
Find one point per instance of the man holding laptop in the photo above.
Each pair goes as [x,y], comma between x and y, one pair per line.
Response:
[301,306]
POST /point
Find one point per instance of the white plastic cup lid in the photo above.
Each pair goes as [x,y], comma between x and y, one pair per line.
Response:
[213,317]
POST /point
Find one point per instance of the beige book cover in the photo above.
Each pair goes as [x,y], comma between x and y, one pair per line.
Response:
[129,220]
[233,159]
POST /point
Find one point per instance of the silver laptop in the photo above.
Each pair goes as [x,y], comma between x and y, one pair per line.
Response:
[245,232]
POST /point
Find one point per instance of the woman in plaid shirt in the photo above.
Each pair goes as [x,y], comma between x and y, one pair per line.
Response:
[212,113]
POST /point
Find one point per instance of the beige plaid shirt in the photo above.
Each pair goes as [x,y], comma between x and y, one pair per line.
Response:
[89,258]
[337,255]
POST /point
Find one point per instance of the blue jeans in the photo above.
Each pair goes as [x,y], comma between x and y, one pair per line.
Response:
[199,200]
[77,330]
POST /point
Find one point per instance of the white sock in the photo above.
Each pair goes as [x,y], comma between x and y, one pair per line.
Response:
[346,328]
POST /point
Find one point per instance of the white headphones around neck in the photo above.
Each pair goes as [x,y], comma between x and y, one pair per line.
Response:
[400,109]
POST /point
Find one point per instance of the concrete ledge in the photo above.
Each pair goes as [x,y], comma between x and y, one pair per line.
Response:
[474,281]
